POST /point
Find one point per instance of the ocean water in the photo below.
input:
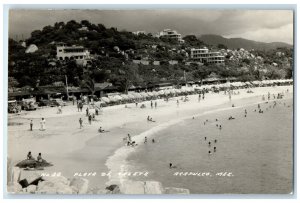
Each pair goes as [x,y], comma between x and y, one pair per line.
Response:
[254,154]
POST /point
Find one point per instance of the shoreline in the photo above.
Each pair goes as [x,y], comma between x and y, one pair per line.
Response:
[270,147]
[118,120]
[118,161]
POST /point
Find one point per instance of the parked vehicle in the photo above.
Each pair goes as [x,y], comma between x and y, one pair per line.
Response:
[29,106]
[14,107]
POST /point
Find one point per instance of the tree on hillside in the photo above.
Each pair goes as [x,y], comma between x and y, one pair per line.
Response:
[91,75]
[201,73]
[193,41]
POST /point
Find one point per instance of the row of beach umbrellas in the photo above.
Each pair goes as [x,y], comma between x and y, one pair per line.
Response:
[144,95]
[173,91]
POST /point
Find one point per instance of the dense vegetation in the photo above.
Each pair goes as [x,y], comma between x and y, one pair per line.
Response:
[108,65]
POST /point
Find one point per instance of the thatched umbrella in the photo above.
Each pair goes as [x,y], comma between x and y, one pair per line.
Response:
[105,99]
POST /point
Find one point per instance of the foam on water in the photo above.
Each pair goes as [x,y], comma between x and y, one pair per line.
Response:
[117,163]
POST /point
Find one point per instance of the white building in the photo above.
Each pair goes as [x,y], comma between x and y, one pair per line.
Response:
[205,56]
[72,53]
[172,34]
[139,32]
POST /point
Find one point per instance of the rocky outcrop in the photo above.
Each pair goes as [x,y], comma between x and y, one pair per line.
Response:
[30,182]
[79,185]
[24,182]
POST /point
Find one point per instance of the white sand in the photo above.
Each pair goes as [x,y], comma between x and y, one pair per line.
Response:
[71,149]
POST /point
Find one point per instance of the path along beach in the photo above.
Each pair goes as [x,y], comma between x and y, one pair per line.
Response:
[73,150]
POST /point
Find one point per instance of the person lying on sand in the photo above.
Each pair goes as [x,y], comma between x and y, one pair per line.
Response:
[231,118]
[150,119]
[131,143]
[100,130]
[171,166]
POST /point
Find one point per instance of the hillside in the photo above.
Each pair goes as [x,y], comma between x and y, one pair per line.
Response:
[235,43]
[113,54]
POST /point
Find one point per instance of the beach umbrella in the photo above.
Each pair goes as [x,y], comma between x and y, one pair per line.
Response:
[105,99]
[118,97]
[161,92]
[177,90]
[131,96]
[112,98]
[151,94]
[136,95]
[155,93]
[124,96]
[173,91]
[167,92]
[144,94]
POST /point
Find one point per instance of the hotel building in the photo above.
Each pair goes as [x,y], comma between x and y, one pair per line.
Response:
[205,56]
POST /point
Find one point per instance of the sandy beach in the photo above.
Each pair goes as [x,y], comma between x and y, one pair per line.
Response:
[74,150]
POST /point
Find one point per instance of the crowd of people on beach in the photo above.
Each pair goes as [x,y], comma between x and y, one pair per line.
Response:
[211,143]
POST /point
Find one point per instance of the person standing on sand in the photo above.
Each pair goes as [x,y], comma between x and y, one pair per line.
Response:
[80,123]
[31,125]
[90,119]
[151,104]
[155,104]
[129,137]
[145,140]
[177,103]
[81,106]
[199,97]
[43,124]
[87,111]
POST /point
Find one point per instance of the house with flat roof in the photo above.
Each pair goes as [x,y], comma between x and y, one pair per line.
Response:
[78,53]
[205,56]
[172,34]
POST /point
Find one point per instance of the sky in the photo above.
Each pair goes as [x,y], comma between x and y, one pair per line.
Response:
[258,25]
